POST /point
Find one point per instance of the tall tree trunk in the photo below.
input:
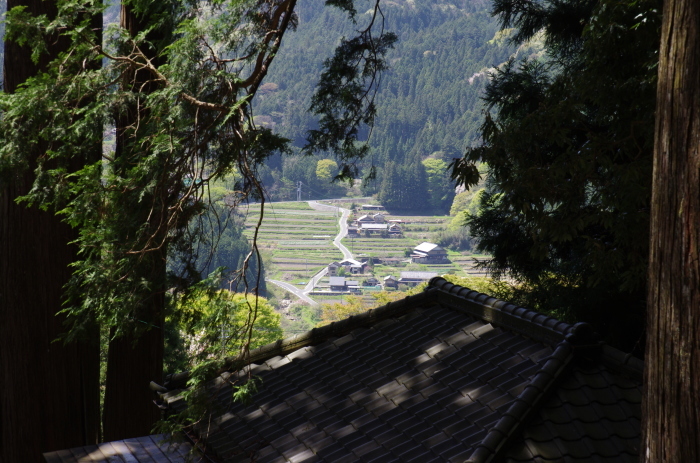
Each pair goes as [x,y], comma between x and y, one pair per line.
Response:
[671,405]
[134,360]
[49,394]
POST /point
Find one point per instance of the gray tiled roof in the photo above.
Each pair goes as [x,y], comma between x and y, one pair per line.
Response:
[447,375]
[593,415]
[431,383]
[147,449]
[418,275]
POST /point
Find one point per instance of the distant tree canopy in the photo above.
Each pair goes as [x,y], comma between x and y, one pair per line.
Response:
[568,143]
[441,189]
[326,169]
[428,102]
[217,322]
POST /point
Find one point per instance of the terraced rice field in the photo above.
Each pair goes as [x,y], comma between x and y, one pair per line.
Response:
[297,238]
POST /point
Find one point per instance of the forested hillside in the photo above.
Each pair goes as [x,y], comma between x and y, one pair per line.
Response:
[428,102]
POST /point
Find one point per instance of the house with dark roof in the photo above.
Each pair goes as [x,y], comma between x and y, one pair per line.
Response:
[448,375]
[333,268]
[390,282]
[341,284]
[395,229]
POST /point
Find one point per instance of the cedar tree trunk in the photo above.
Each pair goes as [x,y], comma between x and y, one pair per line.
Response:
[134,360]
[49,392]
[671,408]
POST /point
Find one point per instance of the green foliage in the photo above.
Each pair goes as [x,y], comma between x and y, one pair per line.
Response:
[305,318]
[455,238]
[441,189]
[403,187]
[326,169]
[217,238]
[337,311]
[568,144]
[217,323]
[467,201]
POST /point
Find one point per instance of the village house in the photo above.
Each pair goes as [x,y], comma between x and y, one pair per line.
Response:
[390,282]
[341,284]
[365,219]
[348,265]
[353,266]
[394,229]
[415,278]
[333,268]
[374,228]
[337,283]
[429,253]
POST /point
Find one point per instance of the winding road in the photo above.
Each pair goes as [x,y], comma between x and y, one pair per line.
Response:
[343,225]
[294,290]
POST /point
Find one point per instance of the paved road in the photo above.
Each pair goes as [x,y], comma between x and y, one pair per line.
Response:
[314,280]
[342,223]
[294,290]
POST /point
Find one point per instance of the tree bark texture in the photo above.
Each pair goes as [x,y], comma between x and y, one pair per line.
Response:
[131,364]
[671,408]
[135,360]
[49,392]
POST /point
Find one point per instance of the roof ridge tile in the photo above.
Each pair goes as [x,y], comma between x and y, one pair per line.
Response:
[501,313]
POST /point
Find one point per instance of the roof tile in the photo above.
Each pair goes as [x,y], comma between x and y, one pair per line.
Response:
[444,370]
